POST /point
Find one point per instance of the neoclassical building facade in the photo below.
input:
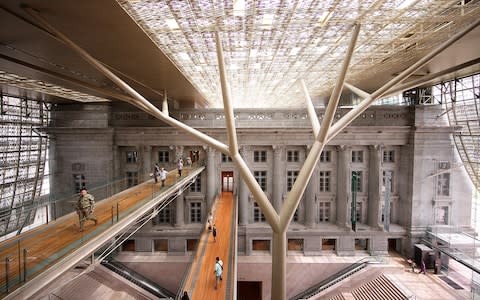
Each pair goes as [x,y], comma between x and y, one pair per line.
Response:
[378,186]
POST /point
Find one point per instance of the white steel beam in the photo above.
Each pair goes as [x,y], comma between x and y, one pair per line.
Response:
[312,115]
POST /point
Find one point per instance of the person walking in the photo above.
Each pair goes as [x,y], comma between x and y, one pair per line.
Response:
[185,296]
[163,176]
[156,172]
[180,167]
[422,268]
[210,221]
[220,262]
[218,273]
[214,232]
[85,206]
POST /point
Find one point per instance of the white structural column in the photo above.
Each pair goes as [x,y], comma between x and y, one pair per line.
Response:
[374,186]
[343,186]
[278,176]
[179,210]
[310,193]
[243,195]
[211,175]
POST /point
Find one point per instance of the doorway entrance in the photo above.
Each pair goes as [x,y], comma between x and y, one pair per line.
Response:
[249,290]
[227,181]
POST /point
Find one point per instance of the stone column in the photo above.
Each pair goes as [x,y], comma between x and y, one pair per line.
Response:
[178,153]
[374,186]
[278,176]
[344,193]
[147,161]
[243,195]
[180,210]
[211,175]
[310,197]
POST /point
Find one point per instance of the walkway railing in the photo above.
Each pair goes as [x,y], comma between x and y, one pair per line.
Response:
[55,247]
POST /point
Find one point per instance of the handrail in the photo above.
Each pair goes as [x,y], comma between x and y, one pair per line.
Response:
[39,250]
[335,278]
[138,279]
[190,265]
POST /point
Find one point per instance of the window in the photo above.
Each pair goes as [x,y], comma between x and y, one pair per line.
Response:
[164,215]
[259,156]
[324,211]
[359,182]
[257,214]
[358,214]
[443,184]
[261,245]
[196,186]
[132,179]
[295,216]
[389,156]
[192,244]
[195,212]
[295,244]
[160,245]
[385,173]
[328,244]
[357,156]
[325,157]
[291,177]
[441,215]
[324,181]
[132,157]
[226,158]
[261,178]
[78,182]
[292,156]
[163,156]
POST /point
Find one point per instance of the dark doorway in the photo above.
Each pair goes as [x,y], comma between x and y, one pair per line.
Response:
[227,181]
[392,245]
[249,290]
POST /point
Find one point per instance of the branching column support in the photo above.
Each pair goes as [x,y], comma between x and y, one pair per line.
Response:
[323,135]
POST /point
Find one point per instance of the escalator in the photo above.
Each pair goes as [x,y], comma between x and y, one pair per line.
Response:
[138,279]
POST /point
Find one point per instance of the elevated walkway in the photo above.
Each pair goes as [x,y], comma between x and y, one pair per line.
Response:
[37,257]
[199,280]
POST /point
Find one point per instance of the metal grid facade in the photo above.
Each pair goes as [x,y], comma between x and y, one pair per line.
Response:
[22,160]
[461,99]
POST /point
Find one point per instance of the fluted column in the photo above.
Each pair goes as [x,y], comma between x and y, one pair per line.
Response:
[178,153]
[310,193]
[211,175]
[374,186]
[180,210]
[243,195]
[344,194]
[147,160]
[278,176]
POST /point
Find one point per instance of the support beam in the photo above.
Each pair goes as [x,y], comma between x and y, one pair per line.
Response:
[140,101]
[312,115]
[359,109]
[165,104]
[357,91]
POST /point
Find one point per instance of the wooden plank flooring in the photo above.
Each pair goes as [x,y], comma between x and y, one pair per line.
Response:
[200,281]
[48,243]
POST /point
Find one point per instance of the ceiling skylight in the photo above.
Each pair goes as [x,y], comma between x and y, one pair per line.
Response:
[270,44]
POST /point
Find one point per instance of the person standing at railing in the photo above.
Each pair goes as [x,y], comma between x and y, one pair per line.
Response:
[85,205]
[180,167]
[163,176]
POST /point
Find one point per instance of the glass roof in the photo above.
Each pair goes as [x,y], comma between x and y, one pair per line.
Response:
[270,44]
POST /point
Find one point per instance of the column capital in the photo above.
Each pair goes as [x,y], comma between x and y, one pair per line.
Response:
[243,148]
[375,147]
[342,147]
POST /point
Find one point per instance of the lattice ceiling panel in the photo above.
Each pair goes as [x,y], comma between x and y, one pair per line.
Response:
[270,45]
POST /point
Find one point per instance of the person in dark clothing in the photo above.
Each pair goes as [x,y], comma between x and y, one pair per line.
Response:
[214,233]
[185,296]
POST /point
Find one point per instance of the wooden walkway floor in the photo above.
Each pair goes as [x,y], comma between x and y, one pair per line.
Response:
[28,254]
[200,281]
